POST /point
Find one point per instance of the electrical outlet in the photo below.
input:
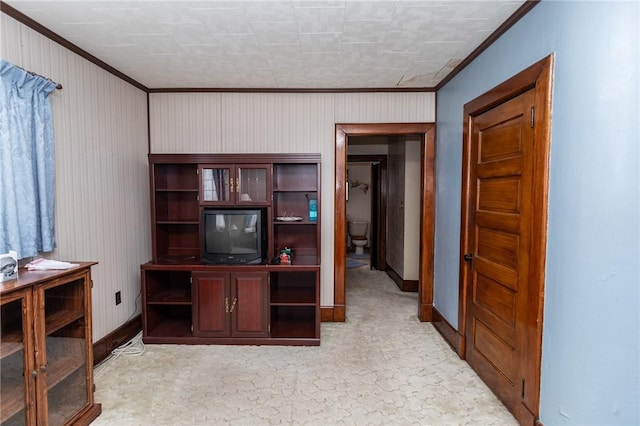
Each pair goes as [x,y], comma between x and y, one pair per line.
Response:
[118,298]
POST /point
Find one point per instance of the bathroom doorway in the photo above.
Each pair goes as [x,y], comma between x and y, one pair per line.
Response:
[373,188]
[426,134]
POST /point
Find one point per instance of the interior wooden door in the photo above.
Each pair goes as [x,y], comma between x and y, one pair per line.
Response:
[503,235]
[501,166]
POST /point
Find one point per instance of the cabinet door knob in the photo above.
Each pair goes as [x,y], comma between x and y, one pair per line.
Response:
[233,305]
[43,368]
[34,373]
[226,305]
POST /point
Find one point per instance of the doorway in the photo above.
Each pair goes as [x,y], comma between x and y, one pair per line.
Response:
[426,131]
[503,236]
[376,185]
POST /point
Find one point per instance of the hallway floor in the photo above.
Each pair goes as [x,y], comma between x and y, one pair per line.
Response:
[380,367]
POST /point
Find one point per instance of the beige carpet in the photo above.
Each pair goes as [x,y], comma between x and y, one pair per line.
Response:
[381,367]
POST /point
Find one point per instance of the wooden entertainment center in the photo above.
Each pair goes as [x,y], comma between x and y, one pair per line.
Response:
[188,301]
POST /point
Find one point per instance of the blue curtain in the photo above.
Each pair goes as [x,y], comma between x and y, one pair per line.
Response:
[27,163]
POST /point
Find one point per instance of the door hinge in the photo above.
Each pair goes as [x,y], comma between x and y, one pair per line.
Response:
[522,392]
[533,116]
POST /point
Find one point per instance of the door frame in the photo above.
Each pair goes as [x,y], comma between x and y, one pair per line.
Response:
[539,77]
[427,211]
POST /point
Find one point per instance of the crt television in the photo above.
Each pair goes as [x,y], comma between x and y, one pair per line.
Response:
[233,236]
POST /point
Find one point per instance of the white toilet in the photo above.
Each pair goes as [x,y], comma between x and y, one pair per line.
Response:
[358,233]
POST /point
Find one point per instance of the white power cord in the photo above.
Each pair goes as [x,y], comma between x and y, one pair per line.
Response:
[134,347]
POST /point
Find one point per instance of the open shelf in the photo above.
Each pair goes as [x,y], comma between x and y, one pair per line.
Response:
[296,322]
[295,177]
[293,296]
[171,176]
[168,287]
[171,327]
[295,288]
[177,239]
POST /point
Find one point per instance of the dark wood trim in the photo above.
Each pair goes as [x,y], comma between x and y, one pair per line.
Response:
[448,333]
[326,314]
[403,285]
[538,76]
[506,25]
[235,158]
[270,90]
[539,226]
[334,313]
[103,347]
[86,416]
[427,132]
[34,25]
[427,224]
[148,124]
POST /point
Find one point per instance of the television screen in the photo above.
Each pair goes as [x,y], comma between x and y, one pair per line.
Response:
[233,236]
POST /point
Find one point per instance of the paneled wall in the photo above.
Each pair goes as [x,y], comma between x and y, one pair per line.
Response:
[102,189]
[279,123]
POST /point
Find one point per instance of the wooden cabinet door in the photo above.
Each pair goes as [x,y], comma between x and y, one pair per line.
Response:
[211,304]
[250,304]
[62,342]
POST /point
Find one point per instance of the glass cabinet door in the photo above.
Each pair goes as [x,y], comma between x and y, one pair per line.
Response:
[252,184]
[14,365]
[235,184]
[65,366]
[217,184]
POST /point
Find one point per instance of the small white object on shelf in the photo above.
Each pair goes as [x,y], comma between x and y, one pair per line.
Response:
[289,218]
[47,264]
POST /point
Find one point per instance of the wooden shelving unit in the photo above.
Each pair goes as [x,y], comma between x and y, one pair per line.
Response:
[176,308]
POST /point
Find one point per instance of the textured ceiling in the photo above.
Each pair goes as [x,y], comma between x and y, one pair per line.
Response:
[283,44]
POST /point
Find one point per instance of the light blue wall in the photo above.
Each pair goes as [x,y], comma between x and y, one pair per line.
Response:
[591,337]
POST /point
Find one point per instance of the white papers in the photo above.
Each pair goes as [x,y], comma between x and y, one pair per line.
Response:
[45,264]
